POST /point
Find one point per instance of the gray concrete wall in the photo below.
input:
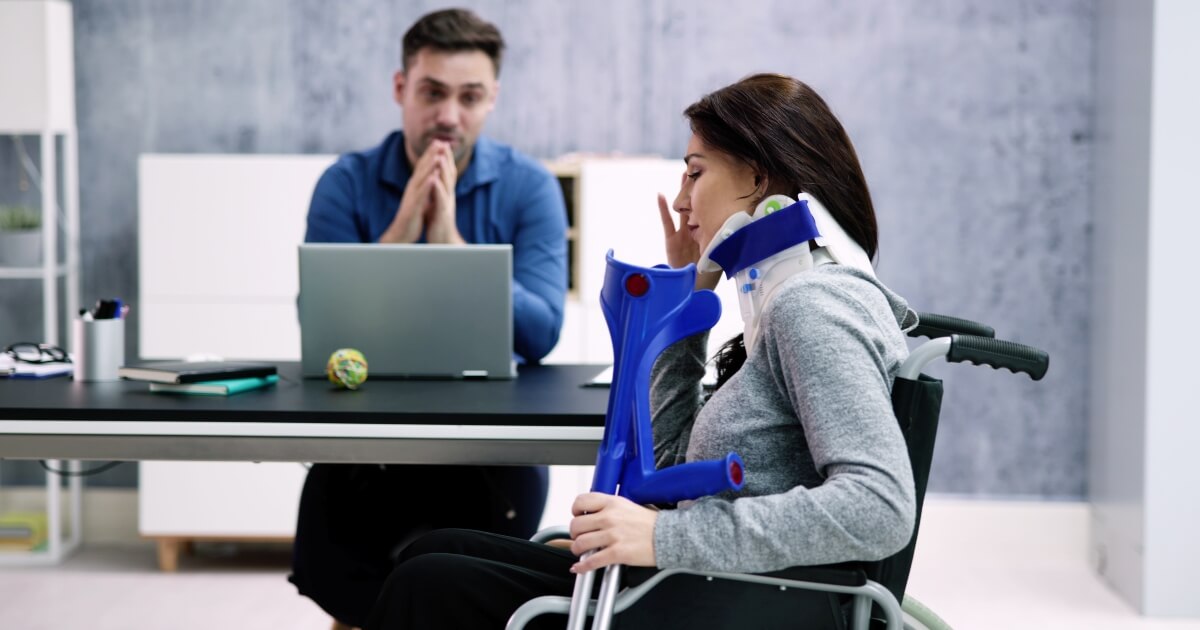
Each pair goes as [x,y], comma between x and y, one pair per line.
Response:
[973,120]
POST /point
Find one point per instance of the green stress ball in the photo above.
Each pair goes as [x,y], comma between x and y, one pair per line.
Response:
[347,368]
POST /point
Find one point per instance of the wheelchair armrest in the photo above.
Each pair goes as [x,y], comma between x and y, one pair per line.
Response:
[843,574]
[554,532]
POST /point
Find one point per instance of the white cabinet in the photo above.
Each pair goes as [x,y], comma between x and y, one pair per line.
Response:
[181,502]
[218,275]
[218,269]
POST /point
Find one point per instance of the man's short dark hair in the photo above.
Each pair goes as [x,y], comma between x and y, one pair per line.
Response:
[453,30]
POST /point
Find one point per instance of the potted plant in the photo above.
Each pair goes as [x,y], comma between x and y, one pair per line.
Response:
[20,236]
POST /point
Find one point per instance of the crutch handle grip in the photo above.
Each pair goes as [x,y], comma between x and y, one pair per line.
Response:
[689,481]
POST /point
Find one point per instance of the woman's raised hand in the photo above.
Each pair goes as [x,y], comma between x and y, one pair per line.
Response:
[681,247]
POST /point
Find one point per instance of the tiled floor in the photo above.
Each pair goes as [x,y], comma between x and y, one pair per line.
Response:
[990,565]
[120,588]
[980,565]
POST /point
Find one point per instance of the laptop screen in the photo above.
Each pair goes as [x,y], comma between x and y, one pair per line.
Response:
[414,311]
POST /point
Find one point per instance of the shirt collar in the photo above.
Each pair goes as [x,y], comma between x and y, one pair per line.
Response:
[484,166]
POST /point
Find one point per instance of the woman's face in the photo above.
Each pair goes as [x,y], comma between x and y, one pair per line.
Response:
[715,186]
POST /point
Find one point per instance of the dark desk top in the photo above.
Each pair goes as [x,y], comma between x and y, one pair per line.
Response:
[549,395]
[544,416]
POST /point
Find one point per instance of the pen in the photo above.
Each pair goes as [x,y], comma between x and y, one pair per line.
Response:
[107,309]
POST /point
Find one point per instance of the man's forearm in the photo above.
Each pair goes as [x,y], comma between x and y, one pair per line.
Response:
[536,324]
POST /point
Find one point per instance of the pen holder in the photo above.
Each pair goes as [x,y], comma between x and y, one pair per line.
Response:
[99,349]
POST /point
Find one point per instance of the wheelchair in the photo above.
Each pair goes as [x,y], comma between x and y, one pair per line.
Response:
[870,593]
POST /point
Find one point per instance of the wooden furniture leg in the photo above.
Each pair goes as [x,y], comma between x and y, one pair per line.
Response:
[168,554]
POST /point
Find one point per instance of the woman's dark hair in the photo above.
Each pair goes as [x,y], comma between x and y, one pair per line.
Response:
[453,30]
[785,132]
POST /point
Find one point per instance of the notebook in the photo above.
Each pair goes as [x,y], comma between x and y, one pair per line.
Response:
[414,311]
[193,371]
[223,387]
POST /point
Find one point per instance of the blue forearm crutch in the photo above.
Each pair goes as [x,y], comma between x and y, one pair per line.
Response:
[647,310]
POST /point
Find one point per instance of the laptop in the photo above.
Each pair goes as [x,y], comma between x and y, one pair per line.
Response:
[414,311]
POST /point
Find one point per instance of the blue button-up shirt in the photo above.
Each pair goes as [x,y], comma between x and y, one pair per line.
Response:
[503,196]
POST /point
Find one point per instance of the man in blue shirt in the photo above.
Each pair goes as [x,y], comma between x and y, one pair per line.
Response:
[437,181]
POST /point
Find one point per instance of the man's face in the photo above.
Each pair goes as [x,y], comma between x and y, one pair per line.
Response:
[445,96]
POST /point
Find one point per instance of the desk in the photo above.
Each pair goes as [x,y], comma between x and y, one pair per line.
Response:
[543,416]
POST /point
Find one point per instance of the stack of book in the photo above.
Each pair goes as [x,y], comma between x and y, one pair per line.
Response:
[22,531]
[210,378]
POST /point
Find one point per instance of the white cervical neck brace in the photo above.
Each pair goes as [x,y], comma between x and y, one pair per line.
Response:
[757,283]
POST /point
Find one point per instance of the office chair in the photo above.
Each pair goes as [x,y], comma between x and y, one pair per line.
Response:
[874,589]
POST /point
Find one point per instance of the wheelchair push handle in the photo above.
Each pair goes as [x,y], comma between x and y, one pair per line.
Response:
[933,326]
[998,353]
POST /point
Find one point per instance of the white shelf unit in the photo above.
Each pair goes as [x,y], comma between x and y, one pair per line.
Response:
[241,304]
[37,72]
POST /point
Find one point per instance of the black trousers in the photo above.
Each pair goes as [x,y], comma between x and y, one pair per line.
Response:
[473,580]
[355,519]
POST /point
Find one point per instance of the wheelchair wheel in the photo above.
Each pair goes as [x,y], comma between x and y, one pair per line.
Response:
[917,616]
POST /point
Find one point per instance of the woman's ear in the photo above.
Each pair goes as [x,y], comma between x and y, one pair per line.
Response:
[758,193]
[762,186]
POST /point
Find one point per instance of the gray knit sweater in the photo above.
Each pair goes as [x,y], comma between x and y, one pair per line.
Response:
[827,474]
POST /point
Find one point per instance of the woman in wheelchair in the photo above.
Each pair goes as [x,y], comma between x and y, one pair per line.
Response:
[803,395]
